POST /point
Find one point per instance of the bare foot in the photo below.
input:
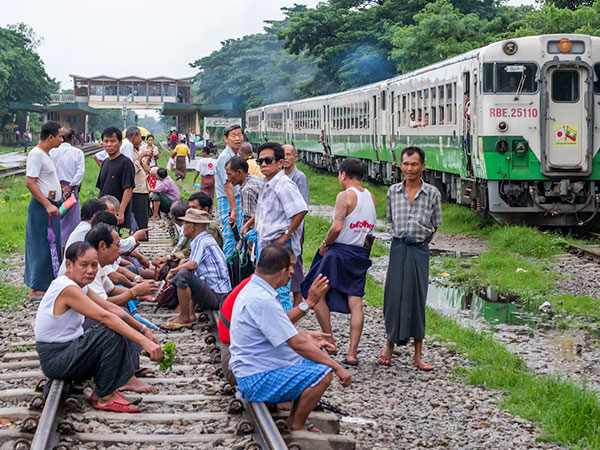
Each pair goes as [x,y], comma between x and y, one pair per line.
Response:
[136,385]
[420,365]
[307,427]
[183,320]
[154,217]
[36,294]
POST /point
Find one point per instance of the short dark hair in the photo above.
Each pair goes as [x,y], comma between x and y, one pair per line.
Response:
[409,151]
[230,128]
[354,168]
[91,207]
[278,151]
[273,259]
[50,128]
[238,163]
[149,136]
[112,131]
[100,233]
[104,217]
[206,150]
[178,209]
[77,249]
[162,172]
[203,199]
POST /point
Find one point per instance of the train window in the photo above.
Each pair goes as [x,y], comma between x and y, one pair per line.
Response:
[488,77]
[382,101]
[441,115]
[511,77]
[565,86]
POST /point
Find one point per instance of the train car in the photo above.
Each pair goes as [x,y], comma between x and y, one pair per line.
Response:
[521,146]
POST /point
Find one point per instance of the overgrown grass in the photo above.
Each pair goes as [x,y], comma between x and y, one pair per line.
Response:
[576,305]
[11,297]
[566,412]
[6,149]
[527,241]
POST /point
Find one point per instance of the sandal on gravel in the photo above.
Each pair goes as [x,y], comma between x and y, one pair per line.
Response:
[120,405]
[384,360]
[136,401]
[171,326]
[332,352]
[350,363]
[312,428]
[143,372]
[423,367]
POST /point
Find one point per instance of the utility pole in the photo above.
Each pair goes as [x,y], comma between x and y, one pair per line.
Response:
[124,110]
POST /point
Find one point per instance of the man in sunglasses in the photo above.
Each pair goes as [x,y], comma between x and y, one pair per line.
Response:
[280,209]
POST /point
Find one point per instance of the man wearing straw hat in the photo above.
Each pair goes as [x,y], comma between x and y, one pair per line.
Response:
[202,279]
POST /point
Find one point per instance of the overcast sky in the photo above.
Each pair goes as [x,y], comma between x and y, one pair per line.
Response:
[133,37]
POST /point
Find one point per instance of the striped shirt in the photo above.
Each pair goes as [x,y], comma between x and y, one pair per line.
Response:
[278,202]
[211,262]
[249,191]
[418,220]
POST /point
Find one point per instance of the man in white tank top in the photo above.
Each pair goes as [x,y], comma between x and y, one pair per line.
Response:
[348,244]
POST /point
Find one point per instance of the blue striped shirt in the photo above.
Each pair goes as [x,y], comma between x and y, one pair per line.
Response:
[211,262]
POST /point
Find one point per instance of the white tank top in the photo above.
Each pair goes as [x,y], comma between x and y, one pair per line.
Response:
[64,328]
[360,222]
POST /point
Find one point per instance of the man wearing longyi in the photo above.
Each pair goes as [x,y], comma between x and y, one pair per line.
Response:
[414,212]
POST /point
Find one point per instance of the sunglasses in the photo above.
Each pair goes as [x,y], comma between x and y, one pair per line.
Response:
[269,160]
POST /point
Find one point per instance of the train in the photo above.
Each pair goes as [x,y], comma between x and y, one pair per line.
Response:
[510,129]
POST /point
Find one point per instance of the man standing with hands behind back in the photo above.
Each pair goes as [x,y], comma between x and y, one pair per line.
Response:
[414,212]
[117,175]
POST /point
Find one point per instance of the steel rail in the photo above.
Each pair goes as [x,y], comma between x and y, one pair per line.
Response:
[261,416]
[21,168]
[46,425]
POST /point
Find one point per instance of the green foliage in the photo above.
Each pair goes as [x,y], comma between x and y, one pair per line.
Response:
[11,297]
[252,71]
[109,118]
[22,74]
[527,241]
[457,219]
[550,19]
[169,351]
[580,305]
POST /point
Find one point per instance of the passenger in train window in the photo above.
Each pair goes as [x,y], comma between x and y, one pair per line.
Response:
[426,121]
[413,123]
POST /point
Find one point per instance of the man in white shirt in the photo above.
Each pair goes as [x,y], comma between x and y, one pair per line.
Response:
[70,169]
[133,139]
[280,209]
[42,258]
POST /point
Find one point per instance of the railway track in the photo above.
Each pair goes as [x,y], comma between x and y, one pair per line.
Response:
[88,150]
[195,408]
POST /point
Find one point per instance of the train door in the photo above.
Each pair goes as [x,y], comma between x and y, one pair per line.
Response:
[467,121]
[568,136]
[292,127]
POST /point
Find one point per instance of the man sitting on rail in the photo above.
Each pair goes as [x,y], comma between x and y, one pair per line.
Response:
[203,278]
[271,360]
[203,202]
[103,352]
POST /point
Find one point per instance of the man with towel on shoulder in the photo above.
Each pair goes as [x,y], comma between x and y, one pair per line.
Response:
[414,212]
[344,255]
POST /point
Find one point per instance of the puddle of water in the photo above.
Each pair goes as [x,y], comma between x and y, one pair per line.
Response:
[489,306]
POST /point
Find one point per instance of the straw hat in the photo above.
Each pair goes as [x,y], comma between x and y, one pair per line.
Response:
[196,216]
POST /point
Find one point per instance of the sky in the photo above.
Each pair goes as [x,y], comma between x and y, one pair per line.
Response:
[150,37]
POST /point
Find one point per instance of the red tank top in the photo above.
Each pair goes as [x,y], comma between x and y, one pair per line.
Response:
[226,310]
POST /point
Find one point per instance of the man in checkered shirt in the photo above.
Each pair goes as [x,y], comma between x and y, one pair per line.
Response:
[414,212]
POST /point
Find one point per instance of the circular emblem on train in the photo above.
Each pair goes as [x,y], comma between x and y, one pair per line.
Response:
[510,48]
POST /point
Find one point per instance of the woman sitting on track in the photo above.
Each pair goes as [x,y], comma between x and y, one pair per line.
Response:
[103,352]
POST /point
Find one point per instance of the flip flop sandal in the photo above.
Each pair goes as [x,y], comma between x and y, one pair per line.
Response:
[332,352]
[119,406]
[424,367]
[350,363]
[136,401]
[171,326]
[384,360]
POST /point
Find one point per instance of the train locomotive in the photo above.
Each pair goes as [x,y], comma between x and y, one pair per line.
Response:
[510,129]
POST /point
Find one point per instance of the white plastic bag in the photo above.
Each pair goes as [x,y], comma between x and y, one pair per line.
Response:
[170,164]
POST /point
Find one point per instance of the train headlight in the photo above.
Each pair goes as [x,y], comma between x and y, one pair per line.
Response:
[510,47]
[502,126]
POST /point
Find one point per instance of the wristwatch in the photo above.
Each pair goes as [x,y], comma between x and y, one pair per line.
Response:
[287,233]
[303,306]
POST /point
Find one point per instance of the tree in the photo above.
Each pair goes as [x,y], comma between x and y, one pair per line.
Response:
[22,74]
[252,71]
[550,19]
[109,118]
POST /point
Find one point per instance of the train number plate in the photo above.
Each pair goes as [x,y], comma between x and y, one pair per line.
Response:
[513,112]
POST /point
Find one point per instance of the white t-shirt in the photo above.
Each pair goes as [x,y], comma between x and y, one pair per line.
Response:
[206,166]
[40,166]
[127,149]
[64,328]
[101,284]
[77,235]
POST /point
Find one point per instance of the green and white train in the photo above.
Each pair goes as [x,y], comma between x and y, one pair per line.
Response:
[530,128]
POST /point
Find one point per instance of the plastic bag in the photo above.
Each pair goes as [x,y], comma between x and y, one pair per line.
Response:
[170,164]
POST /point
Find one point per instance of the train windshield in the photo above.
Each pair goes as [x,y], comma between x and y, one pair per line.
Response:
[509,77]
